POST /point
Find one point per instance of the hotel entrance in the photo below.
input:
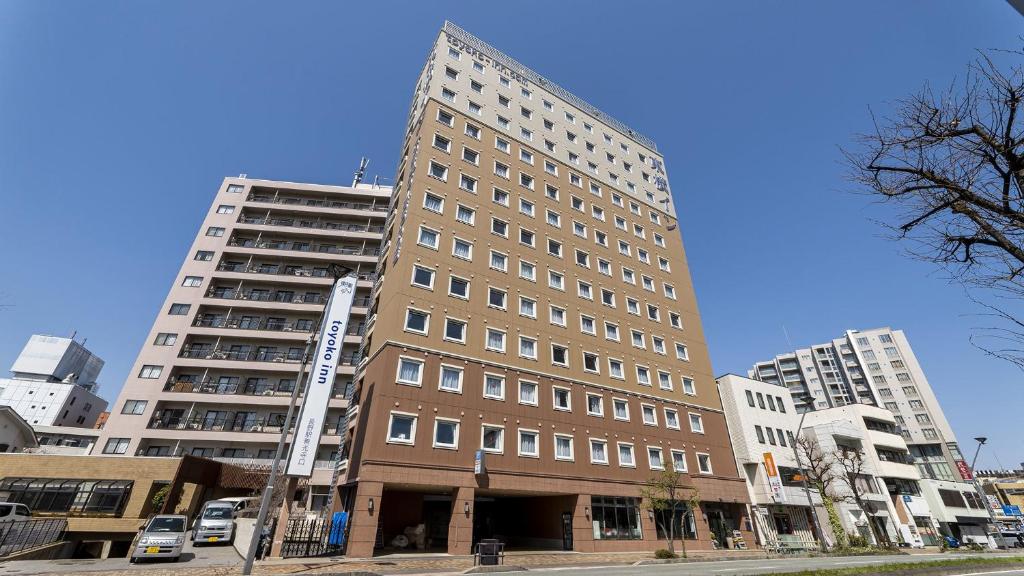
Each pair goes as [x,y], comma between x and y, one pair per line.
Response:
[524,522]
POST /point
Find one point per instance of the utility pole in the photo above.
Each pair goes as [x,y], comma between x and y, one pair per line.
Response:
[997,536]
[803,476]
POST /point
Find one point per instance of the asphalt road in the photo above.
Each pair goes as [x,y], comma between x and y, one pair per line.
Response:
[208,555]
[774,566]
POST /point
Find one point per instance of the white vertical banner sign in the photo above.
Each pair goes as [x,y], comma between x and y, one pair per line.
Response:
[324,365]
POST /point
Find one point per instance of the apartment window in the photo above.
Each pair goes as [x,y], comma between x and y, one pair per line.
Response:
[451,379]
[704,463]
[467,183]
[659,240]
[527,393]
[410,371]
[458,287]
[494,386]
[598,451]
[626,456]
[678,460]
[116,446]
[576,180]
[664,380]
[496,298]
[648,415]
[653,313]
[215,231]
[446,433]
[615,369]
[559,355]
[670,291]
[682,352]
[916,405]
[611,331]
[654,458]
[134,407]
[527,348]
[471,156]
[643,376]
[923,419]
[582,259]
[428,238]
[526,156]
[151,371]
[504,123]
[402,428]
[455,330]
[554,248]
[671,419]
[563,447]
[551,192]
[495,340]
[204,255]
[502,171]
[492,438]
[225,209]
[624,248]
[499,261]
[557,316]
[499,196]
[527,307]
[165,339]
[234,188]
[526,237]
[442,143]
[590,362]
[607,298]
[604,267]
[696,423]
[527,271]
[628,276]
[554,218]
[690,389]
[647,282]
[433,203]
[446,118]
[583,290]
[529,443]
[416,321]
[448,94]
[501,144]
[526,207]
[526,134]
[472,131]
[556,280]
[638,338]
[422,277]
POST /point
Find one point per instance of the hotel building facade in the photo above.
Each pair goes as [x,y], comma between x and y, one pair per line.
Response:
[534,347]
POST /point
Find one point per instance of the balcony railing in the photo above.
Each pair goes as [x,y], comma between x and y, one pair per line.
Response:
[293,223]
[319,203]
[288,270]
[228,423]
[282,297]
[215,386]
[351,359]
[303,247]
[236,323]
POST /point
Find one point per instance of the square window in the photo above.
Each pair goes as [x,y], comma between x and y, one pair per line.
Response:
[496,298]
[410,371]
[527,307]
[458,287]
[620,409]
[649,416]
[654,459]
[527,348]
[455,330]
[696,423]
[446,433]
[451,378]
[402,428]
[416,321]
[428,238]
[526,207]
[704,463]
[643,376]
[595,405]
[499,196]
[529,441]
[465,215]
[492,438]
[528,393]
[591,363]
[499,261]
[433,203]
[626,457]
[557,316]
[563,447]
[494,386]
[559,355]
[598,451]
[527,271]
[689,388]
[495,340]
[422,277]
[615,369]
[671,419]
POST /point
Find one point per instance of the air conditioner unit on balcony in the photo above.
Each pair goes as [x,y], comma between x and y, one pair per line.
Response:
[253,428]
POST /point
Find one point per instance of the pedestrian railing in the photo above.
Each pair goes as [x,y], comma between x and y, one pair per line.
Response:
[17,536]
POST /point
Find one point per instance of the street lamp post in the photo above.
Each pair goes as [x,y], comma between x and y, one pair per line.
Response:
[981,493]
[803,477]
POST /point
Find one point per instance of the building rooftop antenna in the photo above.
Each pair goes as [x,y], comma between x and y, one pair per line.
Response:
[358,177]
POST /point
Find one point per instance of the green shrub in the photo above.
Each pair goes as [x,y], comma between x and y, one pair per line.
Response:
[663,554]
[857,541]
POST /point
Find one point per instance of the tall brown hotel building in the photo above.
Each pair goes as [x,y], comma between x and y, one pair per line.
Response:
[533,348]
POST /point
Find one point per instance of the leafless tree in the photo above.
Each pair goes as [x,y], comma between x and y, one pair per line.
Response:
[820,467]
[952,164]
[855,480]
[669,500]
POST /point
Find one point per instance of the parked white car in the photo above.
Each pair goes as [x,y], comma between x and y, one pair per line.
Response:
[162,537]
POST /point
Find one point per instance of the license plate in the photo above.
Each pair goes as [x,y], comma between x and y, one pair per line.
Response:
[152,550]
[212,539]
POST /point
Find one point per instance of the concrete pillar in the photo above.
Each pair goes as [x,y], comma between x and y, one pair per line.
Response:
[583,525]
[460,528]
[362,521]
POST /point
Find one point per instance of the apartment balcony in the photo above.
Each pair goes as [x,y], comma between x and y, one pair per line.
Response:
[887,439]
[305,225]
[282,271]
[219,424]
[313,250]
[215,386]
[244,323]
[289,357]
[283,300]
[379,209]
[898,470]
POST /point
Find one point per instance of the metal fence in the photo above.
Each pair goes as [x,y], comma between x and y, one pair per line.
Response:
[306,538]
[16,536]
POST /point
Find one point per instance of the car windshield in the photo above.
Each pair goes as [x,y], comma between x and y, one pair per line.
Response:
[166,525]
[5,509]
[217,512]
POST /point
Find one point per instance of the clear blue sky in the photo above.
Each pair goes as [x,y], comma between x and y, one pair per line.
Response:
[119,119]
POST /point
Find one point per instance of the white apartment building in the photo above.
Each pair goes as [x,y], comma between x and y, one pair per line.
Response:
[878,367]
[54,383]
[763,427]
[216,372]
[888,481]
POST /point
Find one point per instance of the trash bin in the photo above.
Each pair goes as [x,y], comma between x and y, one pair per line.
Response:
[488,551]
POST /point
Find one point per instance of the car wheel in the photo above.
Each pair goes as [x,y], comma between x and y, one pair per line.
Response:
[176,558]
[133,560]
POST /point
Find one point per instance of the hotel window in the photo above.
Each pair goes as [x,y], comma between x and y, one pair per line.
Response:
[626,457]
[598,451]
[697,423]
[204,255]
[579,229]
[562,398]
[624,248]
[116,446]
[682,352]
[604,267]
[554,248]
[577,203]
[563,447]
[608,297]
[499,261]
[446,118]
[504,81]
[134,407]
[571,137]
[595,189]
[446,433]
[663,264]
[215,231]
[620,409]
[690,389]
[465,214]
[574,158]
[529,443]
[527,348]
[462,249]
[499,196]
[478,67]
[448,94]
[410,371]
[556,280]
[591,363]
[150,371]
[671,419]
[583,290]
[502,171]
[628,276]
[165,339]
[501,144]
[451,379]
[659,240]
[576,180]
[679,460]
[557,315]
[526,207]
[634,208]
[416,321]
[551,192]
[615,369]
[550,147]
[653,313]
[476,86]
[225,209]
[494,386]
[587,325]
[554,218]
[526,180]
[471,156]
[433,203]
[647,282]
[527,307]
[527,134]
[525,112]
[526,237]
[495,340]
[527,393]
[496,298]
[451,72]
[637,338]
[664,380]
[595,405]
[458,287]
[675,319]
[670,291]
[472,131]
[467,183]
[428,238]
[649,416]
[504,100]
[611,331]
[654,458]
[643,376]
[402,428]
[527,271]
[559,355]
[526,156]
[704,463]
[492,438]
[442,143]
[422,277]
[455,330]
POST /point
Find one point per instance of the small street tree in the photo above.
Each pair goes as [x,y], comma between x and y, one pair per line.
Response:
[820,469]
[667,499]
[853,464]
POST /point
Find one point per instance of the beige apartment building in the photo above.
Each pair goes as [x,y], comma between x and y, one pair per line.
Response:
[534,347]
[214,376]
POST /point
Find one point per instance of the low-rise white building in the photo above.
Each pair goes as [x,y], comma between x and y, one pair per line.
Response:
[15,434]
[762,423]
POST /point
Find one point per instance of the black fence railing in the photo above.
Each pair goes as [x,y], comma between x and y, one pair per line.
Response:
[309,538]
[32,533]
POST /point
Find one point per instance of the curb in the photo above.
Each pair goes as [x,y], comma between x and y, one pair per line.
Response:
[493,569]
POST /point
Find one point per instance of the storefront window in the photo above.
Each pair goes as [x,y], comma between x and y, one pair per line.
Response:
[662,518]
[615,518]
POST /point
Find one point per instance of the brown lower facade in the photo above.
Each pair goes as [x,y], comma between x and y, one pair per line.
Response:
[440,463]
